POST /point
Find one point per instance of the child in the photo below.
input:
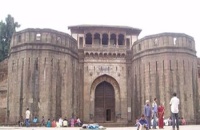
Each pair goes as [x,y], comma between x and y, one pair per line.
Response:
[143,125]
[21,121]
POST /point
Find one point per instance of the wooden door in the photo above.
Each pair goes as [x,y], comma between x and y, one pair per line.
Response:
[104,103]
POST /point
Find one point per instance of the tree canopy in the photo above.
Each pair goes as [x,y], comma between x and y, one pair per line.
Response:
[7,29]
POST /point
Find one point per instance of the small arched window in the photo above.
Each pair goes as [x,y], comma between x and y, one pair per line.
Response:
[113,39]
[105,39]
[175,41]
[88,39]
[38,36]
[156,42]
[120,39]
[58,40]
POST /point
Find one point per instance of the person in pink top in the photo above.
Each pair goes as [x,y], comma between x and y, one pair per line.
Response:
[53,123]
[72,122]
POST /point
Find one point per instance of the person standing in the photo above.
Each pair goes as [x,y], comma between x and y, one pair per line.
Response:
[147,113]
[154,112]
[174,102]
[28,114]
[43,121]
[161,110]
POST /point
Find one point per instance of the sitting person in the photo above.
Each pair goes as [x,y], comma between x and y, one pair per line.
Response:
[53,123]
[72,122]
[35,120]
[183,121]
[65,123]
[60,122]
[170,121]
[78,122]
[21,121]
[48,123]
[143,125]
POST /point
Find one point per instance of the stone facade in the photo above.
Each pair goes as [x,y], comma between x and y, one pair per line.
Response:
[99,73]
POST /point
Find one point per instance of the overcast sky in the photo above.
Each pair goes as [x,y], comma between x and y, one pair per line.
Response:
[152,16]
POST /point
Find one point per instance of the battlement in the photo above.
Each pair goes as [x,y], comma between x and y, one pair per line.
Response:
[43,37]
[179,41]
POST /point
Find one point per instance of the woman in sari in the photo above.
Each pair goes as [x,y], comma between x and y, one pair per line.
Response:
[161,110]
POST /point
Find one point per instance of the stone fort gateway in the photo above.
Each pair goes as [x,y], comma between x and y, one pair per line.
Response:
[99,73]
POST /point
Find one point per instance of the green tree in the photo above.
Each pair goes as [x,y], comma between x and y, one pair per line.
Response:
[7,29]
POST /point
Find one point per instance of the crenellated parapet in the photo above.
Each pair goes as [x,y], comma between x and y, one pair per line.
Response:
[164,42]
[43,39]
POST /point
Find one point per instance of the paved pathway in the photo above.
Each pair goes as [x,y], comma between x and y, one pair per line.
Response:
[187,127]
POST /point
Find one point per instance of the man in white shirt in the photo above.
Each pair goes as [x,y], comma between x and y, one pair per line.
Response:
[28,114]
[174,102]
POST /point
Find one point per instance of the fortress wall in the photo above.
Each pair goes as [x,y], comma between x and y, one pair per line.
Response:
[198,91]
[163,64]
[42,75]
[3,89]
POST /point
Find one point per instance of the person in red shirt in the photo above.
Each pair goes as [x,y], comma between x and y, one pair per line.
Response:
[161,110]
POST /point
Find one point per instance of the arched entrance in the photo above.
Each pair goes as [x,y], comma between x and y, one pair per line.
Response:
[104,102]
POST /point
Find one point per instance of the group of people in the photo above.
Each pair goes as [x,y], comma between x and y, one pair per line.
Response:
[150,112]
[64,123]
[49,123]
[182,121]
[157,112]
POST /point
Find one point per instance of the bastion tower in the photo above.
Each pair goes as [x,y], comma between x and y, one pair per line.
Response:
[161,65]
[43,74]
